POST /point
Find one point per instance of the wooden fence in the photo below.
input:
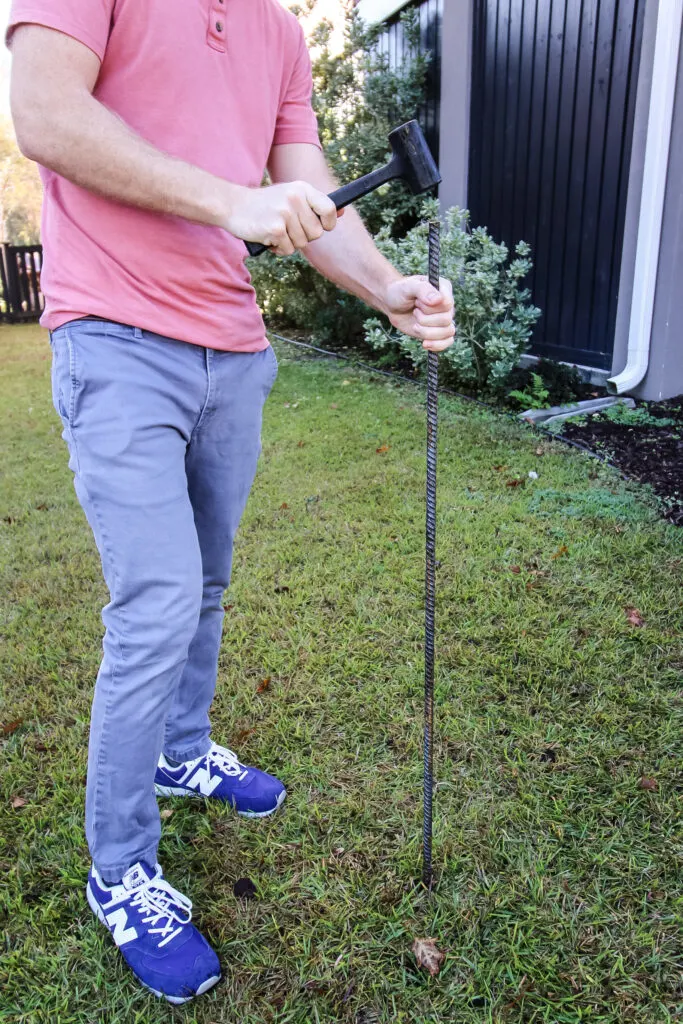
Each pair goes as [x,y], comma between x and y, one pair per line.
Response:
[20,267]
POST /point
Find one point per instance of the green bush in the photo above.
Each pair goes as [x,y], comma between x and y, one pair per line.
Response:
[638,417]
[358,99]
[535,396]
[494,316]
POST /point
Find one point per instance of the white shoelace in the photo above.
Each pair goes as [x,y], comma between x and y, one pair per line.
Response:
[226,761]
[160,902]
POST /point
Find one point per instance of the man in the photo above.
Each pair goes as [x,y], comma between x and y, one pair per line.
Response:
[152,124]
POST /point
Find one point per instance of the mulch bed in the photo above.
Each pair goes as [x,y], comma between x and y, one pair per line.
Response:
[651,454]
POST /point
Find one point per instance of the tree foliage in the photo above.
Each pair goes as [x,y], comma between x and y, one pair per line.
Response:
[21,192]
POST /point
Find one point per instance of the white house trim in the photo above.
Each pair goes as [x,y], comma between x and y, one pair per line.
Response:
[374,11]
[658,140]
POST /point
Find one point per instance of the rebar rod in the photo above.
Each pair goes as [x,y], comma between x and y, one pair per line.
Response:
[430,572]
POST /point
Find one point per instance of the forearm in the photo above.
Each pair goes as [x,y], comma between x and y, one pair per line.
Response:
[348,257]
[89,145]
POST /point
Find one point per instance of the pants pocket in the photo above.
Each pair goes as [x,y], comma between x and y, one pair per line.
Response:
[64,376]
[272,359]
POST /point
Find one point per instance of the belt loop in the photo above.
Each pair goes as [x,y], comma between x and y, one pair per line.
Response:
[137,333]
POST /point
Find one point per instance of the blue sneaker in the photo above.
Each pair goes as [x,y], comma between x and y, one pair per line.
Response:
[253,793]
[150,923]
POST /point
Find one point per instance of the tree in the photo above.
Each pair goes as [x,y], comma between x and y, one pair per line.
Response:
[21,192]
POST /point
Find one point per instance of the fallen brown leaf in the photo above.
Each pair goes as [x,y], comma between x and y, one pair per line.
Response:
[540,451]
[284,505]
[515,568]
[7,730]
[166,814]
[648,784]
[228,607]
[562,550]
[516,482]
[300,444]
[242,735]
[634,617]
[428,955]
[383,449]
[263,685]
[499,469]
[18,801]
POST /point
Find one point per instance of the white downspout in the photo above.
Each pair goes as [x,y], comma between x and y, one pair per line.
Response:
[658,140]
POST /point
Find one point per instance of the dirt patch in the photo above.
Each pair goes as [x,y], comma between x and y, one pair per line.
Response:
[649,452]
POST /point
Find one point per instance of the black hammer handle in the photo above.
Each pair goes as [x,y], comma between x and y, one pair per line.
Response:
[347,194]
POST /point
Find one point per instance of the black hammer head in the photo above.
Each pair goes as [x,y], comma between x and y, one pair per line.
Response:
[410,148]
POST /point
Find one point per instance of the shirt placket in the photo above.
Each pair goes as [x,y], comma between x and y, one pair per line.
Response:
[216,34]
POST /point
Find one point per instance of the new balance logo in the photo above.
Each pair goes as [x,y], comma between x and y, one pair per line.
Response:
[204,782]
[117,921]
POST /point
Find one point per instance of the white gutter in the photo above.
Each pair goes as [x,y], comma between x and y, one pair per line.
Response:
[658,140]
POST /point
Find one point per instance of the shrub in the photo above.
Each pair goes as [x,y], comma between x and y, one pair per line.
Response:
[494,316]
[564,383]
[638,417]
[533,397]
[358,99]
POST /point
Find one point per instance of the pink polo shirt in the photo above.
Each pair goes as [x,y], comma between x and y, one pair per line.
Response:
[214,82]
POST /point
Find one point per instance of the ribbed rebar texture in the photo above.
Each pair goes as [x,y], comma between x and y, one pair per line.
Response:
[430,572]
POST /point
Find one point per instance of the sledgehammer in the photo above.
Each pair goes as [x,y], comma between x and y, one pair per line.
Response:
[411,161]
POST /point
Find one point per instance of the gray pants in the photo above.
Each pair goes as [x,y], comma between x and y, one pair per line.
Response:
[164,439]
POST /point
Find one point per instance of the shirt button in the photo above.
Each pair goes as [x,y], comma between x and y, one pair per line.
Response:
[219,26]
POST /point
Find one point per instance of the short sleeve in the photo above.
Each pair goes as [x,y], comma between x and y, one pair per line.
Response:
[296,120]
[88,21]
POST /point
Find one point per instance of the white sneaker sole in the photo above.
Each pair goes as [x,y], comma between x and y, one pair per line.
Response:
[176,1000]
[181,791]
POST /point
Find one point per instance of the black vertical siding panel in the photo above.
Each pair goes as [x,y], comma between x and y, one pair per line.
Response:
[562,160]
[527,72]
[547,157]
[481,213]
[638,16]
[499,112]
[511,129]
[478,106]
[531,168]
[567,237]
[594,167]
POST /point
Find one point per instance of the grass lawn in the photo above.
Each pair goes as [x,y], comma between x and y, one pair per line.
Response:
[558,839]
